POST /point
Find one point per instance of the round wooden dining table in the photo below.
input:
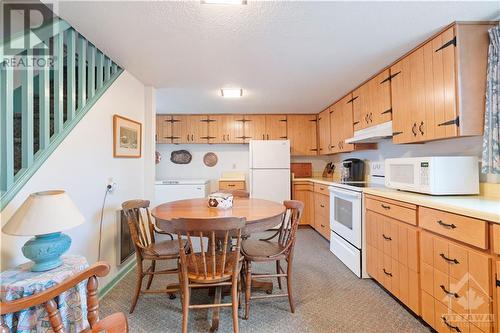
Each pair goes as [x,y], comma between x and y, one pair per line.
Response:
[260,215]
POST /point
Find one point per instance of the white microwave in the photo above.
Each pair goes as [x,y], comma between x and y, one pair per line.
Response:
[437,175]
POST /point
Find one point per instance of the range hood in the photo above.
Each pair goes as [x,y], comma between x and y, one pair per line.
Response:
[372,134]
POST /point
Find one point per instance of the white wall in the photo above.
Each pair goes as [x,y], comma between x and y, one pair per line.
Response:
[82,165]
[231,157]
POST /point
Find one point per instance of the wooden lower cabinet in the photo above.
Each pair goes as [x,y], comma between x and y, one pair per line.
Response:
[457,277]
[322,214]
[392,257]
[304,192]
[496,283]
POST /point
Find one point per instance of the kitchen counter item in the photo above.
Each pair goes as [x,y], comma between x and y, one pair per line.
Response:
[301,169]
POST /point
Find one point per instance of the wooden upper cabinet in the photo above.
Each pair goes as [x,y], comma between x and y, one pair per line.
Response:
[302,134]
[190,129]
[225,129]
[254,127]
[438,89]
[276,127]
[347,123]
[163,129]
[372,102]
[324,146]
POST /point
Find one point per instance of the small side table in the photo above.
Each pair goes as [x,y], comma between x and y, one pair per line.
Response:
[20,282]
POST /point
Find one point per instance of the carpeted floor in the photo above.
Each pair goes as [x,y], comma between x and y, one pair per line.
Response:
[329,298]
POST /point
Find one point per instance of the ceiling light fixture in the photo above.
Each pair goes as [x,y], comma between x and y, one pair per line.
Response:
[225,92]
[224,2]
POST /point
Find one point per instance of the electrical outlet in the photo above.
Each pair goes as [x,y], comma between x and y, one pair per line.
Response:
[111,185]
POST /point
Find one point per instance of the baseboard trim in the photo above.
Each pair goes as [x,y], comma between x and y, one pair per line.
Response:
[121,274]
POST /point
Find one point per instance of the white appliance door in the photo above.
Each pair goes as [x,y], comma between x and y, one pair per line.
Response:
[168,193]
[270,184]
[269,154]
[347,253]
[345,215]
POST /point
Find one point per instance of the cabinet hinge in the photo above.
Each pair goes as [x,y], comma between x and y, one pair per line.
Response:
[390,77]
[449,43]
[285,120]
[283,137]
[352,100]
[355,123]
[498,283]
[387,111]
[172,120]
[455,121]
[315,120]
[396,133]
[314,149]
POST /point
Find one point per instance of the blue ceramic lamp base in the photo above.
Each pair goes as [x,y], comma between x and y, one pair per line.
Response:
[46,250]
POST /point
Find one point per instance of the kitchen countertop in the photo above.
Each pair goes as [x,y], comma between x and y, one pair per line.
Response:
[480,207]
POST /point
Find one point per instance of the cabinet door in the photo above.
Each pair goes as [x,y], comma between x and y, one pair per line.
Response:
[324,132]
[302,134]
[307,198]
[190,129]
[423,92]
[276,127]
[498,293]
[335,127]
[224,129]
[360,106]
[346,123]
[380,99]
[163,129]
[255,127]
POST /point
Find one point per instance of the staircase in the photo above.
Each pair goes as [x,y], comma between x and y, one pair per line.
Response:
[40,106]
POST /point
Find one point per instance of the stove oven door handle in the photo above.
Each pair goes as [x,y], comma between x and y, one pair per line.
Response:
[344,193]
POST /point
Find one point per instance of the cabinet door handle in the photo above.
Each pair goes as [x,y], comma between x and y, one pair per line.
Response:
[414,129]
[322,225]
[456,328]
[421,128]
[453,261]
[263,137]
[386,237]
[387,273]
[268,136]
[366,118]
[231,185]
[322,206]
[449,293]
[192,137]
[188,137]
[446,225]
[223,137]
[228,137]
[385,206]
[371,120]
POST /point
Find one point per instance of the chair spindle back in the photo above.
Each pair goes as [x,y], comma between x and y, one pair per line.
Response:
[290,223]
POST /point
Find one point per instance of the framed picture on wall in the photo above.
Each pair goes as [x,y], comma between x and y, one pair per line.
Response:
[127,137]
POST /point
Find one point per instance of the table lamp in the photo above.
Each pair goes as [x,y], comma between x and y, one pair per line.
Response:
[44,215]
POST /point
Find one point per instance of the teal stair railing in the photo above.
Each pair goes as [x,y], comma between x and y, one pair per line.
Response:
[39,106]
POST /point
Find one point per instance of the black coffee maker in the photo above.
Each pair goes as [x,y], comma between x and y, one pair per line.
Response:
[353,170]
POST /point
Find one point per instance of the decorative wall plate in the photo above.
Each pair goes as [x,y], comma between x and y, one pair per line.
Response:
[210,159]
[181,157]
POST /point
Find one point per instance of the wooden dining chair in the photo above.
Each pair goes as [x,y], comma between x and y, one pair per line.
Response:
[217,264]
[265,251]
[115,323]
[143,233]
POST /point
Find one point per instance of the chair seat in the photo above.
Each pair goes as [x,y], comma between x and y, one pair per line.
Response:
[166,248]
[196,268]
[257,250]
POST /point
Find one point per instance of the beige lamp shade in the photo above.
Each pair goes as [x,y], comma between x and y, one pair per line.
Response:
[44,213]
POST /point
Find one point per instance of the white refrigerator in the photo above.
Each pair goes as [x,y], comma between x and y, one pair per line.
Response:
[270,170]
